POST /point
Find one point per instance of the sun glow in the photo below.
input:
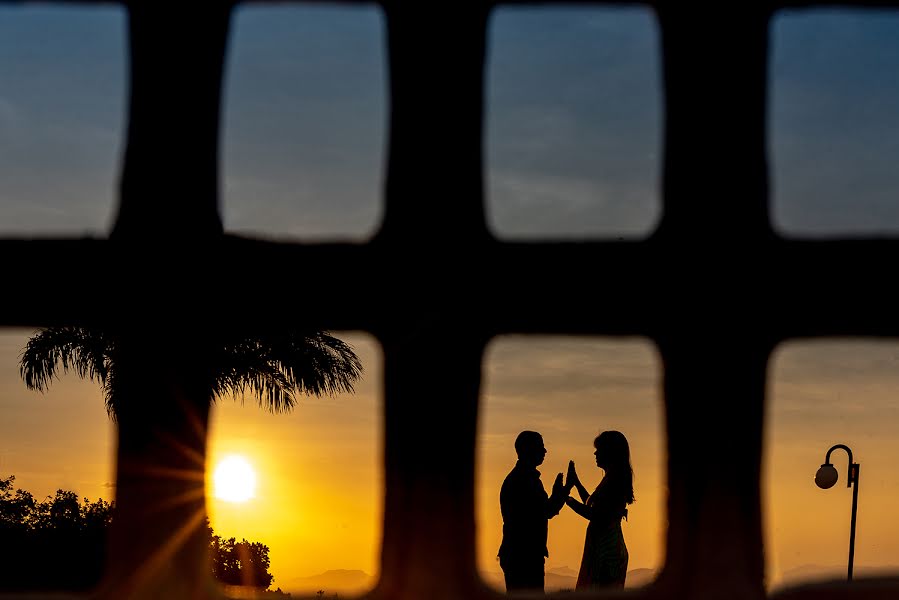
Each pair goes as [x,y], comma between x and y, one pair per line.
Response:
[234,479]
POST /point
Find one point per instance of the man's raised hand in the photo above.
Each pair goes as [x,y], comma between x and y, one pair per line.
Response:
[559,488]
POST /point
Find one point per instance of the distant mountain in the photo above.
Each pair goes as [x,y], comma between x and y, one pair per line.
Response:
[640,577]
[355,582]
[564,571]
[554,582]
[816,573]
[343,581]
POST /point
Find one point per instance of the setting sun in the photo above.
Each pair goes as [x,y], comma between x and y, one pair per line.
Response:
[234,479]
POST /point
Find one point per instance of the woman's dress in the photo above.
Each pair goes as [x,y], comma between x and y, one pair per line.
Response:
[604,563]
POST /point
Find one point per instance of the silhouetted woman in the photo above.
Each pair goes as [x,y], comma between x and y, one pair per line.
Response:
[604,563]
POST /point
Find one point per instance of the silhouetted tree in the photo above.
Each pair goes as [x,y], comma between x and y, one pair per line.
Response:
[58,543]
[16,507]
[241,563]
[273,368]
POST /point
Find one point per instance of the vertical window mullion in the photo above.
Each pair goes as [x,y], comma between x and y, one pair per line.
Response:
[169,181]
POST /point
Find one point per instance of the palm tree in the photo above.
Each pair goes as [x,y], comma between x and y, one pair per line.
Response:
[159,388]
[272,368]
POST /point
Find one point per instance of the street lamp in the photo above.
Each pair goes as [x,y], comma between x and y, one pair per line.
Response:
[827,476]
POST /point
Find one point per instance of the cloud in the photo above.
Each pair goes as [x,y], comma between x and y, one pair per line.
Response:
[573,123]
[532,203]
[833,126]
[9,115]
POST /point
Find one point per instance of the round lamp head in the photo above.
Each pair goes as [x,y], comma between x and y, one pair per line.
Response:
[826,476]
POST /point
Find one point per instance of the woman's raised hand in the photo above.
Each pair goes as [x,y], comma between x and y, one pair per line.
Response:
[571,479]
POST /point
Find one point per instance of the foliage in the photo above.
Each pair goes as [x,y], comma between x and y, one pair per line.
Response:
[16,506]
[272,367]
[240,563]
[59,543]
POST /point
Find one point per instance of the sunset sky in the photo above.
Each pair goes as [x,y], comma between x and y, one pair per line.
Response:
[573,148]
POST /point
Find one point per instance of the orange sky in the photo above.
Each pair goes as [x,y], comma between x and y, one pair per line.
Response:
[318,499]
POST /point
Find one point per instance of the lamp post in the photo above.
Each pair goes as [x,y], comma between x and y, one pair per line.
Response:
[827,476]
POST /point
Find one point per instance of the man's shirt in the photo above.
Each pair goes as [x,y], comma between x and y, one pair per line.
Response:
[526,510]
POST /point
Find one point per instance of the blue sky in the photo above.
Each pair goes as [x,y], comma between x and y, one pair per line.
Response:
[305,121]
[834,129]
[573,123]
[572,140]
[62,76]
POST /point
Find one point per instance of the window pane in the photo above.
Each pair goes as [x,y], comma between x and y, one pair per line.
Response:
[834,125]
[573,123]
[825,393]
[304,123]
[570,389]
[62,103]
[317,497]
[60,439]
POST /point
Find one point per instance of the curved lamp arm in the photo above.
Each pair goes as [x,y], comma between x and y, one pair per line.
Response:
[852,473]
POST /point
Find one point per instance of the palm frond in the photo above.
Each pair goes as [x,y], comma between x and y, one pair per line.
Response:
[85,351]
[245,366]
[273,368]
[111,399]
[318,363]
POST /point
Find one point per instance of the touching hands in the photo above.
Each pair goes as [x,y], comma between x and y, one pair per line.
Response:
[571,480]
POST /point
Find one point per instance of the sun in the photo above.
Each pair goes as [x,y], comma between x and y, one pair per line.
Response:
[234,479]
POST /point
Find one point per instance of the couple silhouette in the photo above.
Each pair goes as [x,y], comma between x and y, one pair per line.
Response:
[527,508]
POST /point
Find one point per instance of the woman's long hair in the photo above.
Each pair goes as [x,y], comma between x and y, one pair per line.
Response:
[617,455]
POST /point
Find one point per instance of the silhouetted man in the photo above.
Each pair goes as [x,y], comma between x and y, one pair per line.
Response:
[526,511]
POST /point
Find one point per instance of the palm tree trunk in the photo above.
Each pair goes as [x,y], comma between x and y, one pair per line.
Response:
[158,545]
